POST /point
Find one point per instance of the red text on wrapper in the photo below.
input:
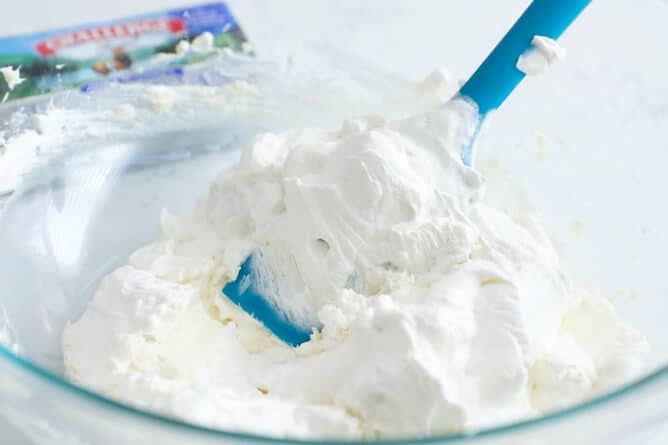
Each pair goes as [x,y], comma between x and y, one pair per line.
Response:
[49,46]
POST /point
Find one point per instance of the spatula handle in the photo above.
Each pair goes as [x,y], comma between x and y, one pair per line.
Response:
[497,77]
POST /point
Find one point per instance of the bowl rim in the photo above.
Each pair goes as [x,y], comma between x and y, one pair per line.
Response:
[90,396]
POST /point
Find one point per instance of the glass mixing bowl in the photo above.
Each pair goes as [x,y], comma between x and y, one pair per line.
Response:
[592,164]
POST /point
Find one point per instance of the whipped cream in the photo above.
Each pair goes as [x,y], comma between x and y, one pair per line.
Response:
[182,47]
[438,312]
[543,53]
[203,43]
[12,78]
[439,86]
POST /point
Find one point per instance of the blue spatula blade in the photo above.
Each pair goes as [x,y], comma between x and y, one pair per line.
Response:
[248,292]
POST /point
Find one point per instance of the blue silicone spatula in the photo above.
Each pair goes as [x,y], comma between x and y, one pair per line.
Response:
[254,290]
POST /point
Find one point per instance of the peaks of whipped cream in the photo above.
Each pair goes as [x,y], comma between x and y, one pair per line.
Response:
[439,86]
[182,47]
[341,209]
[202,44]
[12,77]
[543,53]
[439,313]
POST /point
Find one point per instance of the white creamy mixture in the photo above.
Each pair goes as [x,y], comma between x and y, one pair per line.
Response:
[461,315]
[544,53]
[12,77]
[203,43]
